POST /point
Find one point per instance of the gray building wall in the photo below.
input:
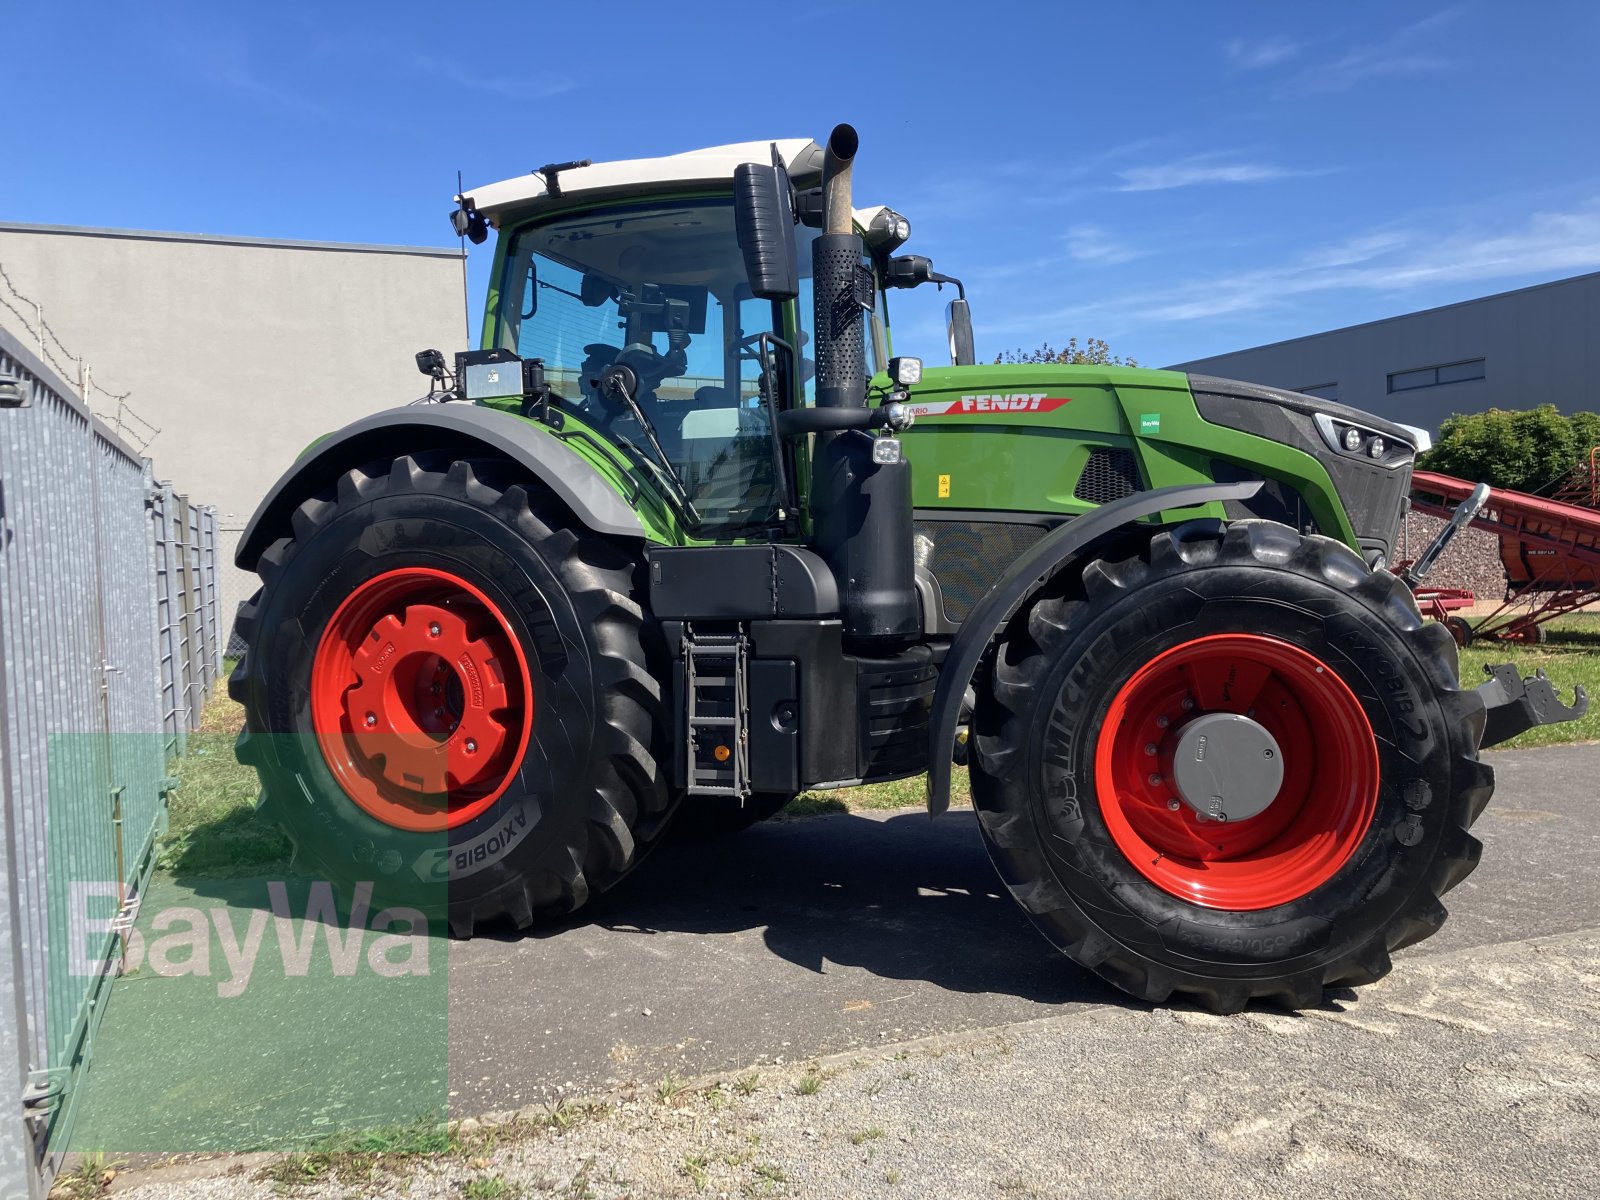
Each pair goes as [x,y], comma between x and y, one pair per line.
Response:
[1539,345]
[240,350]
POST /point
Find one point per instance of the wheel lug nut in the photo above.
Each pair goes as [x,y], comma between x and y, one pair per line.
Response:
[372,719]
[1154,780]
[1173,805]
[1150,749]
[1162,722]
[472,746]
[1188,703]
[433,629]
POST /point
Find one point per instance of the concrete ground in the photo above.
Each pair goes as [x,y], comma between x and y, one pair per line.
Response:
[909,1034]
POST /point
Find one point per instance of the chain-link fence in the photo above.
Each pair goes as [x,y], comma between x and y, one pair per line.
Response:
[109,644]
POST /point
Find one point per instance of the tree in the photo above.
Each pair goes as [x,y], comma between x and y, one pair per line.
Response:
[1094,351]
[1531,450]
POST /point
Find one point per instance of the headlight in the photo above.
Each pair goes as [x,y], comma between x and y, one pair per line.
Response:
[1352,440]
[905,371]
[887,231]
[1376,447]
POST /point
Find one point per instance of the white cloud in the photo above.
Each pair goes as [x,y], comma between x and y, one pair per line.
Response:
[1254,55]
[1388,261]
[1203,169]
[1410,50]
[1091,243]
[533,86]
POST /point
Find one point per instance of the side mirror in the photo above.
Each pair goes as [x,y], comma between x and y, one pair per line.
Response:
[763,219]
[958,325]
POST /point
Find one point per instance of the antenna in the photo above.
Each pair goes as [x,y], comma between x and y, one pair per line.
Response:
[466,300]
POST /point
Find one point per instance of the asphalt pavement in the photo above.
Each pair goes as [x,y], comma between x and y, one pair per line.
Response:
[806,938]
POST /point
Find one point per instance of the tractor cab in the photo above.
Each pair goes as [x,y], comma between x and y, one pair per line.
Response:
[626,283]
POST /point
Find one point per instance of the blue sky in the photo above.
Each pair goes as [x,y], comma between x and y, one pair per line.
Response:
[1180,179]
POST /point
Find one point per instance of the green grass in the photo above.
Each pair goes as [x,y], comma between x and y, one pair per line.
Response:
[897,793]
[362,1154]
[214,829]
[1570,656]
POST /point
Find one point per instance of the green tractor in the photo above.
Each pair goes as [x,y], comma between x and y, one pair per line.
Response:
[683,539]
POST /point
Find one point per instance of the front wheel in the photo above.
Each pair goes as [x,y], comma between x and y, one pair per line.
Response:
[1237,765]
[450,693]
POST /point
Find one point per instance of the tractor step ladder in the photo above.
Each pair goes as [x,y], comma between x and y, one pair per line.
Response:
[717,749]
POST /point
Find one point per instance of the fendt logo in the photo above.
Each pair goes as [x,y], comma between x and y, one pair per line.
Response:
[993,404]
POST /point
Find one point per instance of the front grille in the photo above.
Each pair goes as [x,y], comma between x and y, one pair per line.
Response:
[969,556]
[1110,474]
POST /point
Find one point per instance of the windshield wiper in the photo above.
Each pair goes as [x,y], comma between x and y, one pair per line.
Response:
[619,380]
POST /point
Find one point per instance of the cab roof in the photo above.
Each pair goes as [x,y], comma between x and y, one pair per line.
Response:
[641,176]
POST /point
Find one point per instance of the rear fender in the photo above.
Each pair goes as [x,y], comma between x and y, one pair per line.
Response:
[467,430]
[1052,553]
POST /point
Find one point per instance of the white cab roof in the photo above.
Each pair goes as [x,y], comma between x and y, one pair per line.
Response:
[637,176]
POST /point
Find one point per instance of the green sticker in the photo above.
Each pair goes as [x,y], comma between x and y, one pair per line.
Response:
[1149,423]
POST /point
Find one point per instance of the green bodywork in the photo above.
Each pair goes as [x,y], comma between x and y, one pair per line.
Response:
[1030,460]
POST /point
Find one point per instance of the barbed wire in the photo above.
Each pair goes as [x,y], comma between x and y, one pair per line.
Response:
[122,414]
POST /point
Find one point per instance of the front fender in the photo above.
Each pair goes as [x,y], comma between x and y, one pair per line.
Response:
[1047,556]
[464,429]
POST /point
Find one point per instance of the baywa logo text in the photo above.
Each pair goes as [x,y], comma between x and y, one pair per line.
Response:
[208,943]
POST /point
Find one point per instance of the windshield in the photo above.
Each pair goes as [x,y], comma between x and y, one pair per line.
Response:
[660,287]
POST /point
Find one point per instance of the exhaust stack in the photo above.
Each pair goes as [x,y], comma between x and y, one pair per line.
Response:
[837,158]
[835,262]
[861,508]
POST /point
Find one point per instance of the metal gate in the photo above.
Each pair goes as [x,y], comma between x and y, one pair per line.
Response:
[107,650]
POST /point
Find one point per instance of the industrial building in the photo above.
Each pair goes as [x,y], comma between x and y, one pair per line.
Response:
[232,353]
[1519,349]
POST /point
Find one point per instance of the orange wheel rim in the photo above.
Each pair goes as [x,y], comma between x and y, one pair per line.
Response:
[421,699]
[1320,813]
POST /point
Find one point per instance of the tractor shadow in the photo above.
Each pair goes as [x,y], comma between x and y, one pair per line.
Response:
[900,896]
[906,898]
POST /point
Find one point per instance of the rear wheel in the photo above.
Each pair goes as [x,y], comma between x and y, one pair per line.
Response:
[1235,766]
[449,692]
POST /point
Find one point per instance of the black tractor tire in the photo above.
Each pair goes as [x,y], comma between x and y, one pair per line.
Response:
[1083,641]
[707,818]
[583,793]
[1461,630]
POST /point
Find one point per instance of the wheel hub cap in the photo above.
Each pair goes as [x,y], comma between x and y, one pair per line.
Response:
[1227,767]
[1236,771]
[421,699]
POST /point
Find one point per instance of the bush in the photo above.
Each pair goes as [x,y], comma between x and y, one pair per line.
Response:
[1532,450]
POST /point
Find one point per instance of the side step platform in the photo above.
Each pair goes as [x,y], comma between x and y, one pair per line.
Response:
[717,713]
